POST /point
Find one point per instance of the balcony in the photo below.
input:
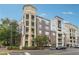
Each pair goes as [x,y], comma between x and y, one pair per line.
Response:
[59,29]
[59,37]
[32,30]
[32,17]
[27,23]
[27,16]
[60,40]
[32,23]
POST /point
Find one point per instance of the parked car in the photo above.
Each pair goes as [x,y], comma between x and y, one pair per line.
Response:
[60,48]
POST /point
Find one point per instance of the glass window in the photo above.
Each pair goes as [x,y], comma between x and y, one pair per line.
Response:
[32,36]
[32,30]
[27,29]
[26,36]
[27,23]
[40,26]
[59,35]
[47,28]
[40,32]
[59,24]
[32,23]
[46,33]
[70,40]
[27,16]
[32,17]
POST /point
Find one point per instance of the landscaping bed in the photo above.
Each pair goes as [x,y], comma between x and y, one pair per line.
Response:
[33,48]
[13,48]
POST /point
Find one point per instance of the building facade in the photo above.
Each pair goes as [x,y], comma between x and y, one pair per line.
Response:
[60,34]
[71,36]
[56,27]
[28,25]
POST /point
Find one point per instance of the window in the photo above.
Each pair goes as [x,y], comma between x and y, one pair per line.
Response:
[32,17]
[32,23]
[27,29]
[46,33]
[60,40]
[47,22]
[53,34]
[59,43]
[59,24]
[70,37]
[59,35]
[32,30]
[40,32]
[26,36]
[27,16]
[32,36]
[70,30]
[73,37]
[47,27]
[70,40]
[27,23]
[40,26]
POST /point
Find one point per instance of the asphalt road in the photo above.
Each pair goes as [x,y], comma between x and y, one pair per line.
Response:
[68,51]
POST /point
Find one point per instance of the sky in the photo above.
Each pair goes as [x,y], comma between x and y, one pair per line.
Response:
[69,12]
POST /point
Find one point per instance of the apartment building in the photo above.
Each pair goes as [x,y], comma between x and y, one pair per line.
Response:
[60,34]
[28,26]
[57,33]
[77,35]
[71,36]
[43,27]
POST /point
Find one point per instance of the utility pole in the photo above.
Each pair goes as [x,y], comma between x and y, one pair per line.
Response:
[11,34]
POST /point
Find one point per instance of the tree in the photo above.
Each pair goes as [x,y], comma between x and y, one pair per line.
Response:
[41,40]
[4,31]
[8,32]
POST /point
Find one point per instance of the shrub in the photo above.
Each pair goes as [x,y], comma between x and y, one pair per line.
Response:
[33,48]
[13,48]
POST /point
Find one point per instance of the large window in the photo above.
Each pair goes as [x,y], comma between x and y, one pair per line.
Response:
[26,36]
[27,16]
[32,30]
[32,23]
[32,17]
[46,33]
[59,24]
[40,32]
[60,40]
[27,23]
[70,40]
[27,29]
[32,36]
[60,35]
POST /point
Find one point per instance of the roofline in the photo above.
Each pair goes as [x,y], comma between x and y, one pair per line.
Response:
[59,17]
[29,5]
[71,24]
[43,18]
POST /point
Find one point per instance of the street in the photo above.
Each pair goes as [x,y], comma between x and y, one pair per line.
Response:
[68,51]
